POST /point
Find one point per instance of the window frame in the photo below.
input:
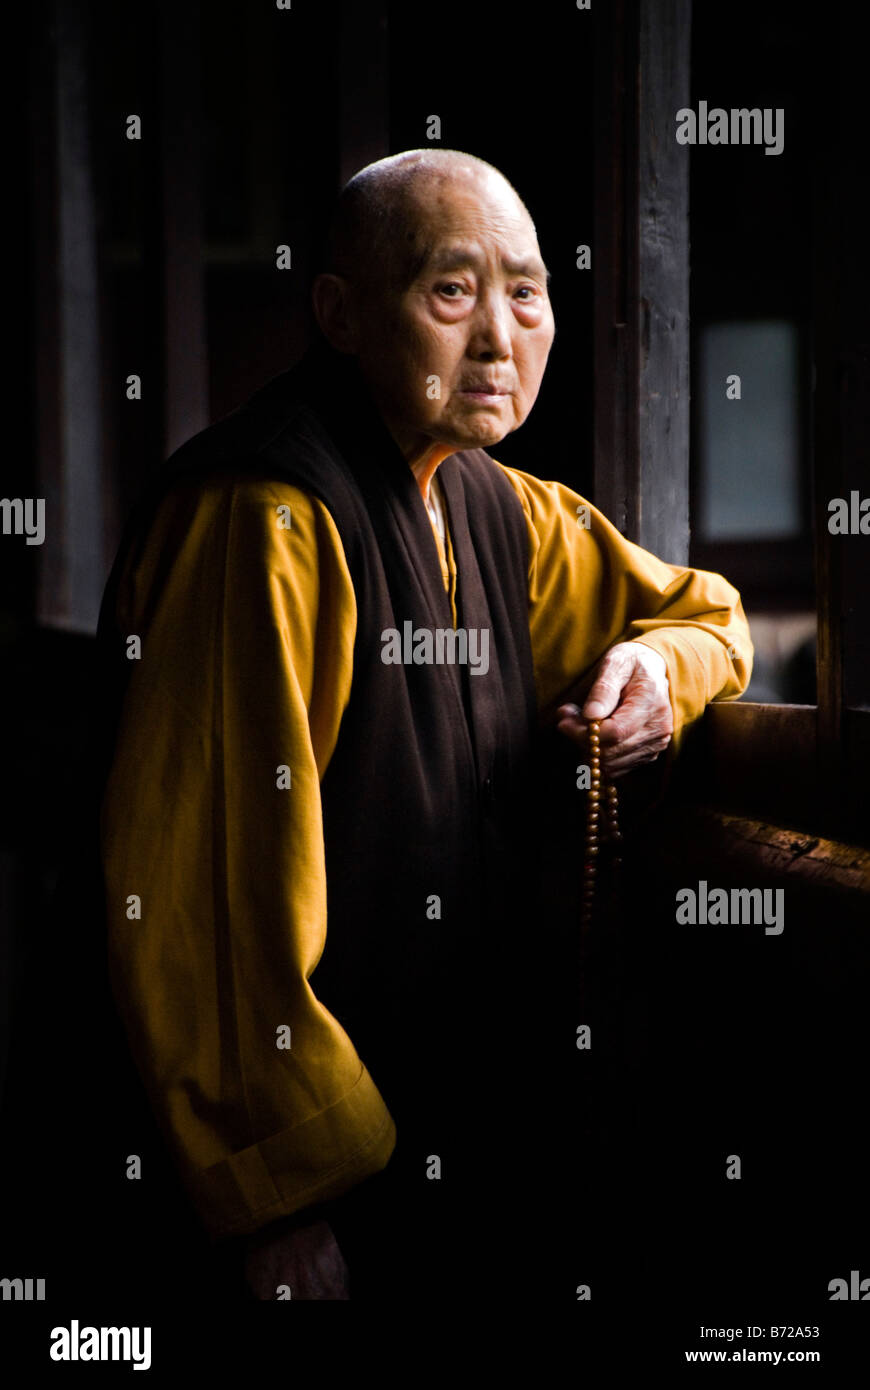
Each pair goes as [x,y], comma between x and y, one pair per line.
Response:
[798,764]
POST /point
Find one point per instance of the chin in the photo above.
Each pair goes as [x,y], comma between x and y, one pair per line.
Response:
[480,433]
[482,439]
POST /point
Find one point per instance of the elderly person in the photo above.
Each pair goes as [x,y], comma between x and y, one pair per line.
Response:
[318,825]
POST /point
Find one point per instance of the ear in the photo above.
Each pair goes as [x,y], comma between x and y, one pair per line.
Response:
[335,309]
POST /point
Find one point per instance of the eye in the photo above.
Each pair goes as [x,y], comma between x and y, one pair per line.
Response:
[451,285]
[527,290]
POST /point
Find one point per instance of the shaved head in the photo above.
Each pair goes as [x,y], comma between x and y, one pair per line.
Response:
[378,234]
[435,283]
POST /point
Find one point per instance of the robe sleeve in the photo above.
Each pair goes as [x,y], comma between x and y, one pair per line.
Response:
[213,851]
[589,588]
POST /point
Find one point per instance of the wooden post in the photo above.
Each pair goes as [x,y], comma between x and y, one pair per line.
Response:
[67,332]
[841,426]
[641,268]
[174,243]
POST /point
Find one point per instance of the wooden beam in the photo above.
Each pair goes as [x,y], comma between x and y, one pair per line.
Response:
[762,760]
[755,851]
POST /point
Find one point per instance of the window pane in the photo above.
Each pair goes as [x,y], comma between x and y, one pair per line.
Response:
[749,476]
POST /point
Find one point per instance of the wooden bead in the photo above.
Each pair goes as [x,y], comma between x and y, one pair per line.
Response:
[596,834]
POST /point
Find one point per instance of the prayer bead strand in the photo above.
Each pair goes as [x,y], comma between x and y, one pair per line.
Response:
[593,818]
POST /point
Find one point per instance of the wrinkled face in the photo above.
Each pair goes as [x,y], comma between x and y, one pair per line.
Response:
[456,356]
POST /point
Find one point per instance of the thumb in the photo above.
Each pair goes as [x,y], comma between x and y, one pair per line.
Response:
[604,694]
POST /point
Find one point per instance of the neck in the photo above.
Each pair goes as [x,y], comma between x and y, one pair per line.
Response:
[424,465]
[423,455]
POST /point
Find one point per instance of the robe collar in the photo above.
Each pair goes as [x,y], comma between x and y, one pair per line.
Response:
[335,388]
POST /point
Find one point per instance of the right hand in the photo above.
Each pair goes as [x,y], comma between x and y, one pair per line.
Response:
[307,1259]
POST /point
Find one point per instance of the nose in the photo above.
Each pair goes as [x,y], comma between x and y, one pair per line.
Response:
[491,335]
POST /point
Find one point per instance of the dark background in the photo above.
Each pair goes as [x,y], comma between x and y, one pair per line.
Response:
[728,1044]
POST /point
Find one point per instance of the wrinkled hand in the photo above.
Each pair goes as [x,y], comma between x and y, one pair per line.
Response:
[630,696]
[307,1260]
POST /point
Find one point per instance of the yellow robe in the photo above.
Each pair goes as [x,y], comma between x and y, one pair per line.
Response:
[247,634]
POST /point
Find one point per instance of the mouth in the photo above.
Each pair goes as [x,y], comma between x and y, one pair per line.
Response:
[487,395]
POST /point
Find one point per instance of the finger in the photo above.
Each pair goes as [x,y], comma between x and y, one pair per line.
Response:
[630,736]
[631,733]
[570,722]
[618,764]
[626,724]
[611,732]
